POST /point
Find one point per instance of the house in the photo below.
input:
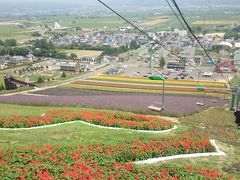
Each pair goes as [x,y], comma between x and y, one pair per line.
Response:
[198,59]
[15,60]
[226,45]
[174,64]
[90,60]
[70,66]
[188,54]
[3,64]
[226,66]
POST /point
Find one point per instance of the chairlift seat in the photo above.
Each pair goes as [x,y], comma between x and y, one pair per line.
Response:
[214,101]
[156,107]
[200,104]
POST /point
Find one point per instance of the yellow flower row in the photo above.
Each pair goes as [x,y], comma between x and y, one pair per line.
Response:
[168,82]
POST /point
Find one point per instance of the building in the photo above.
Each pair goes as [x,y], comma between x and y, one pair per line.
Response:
[226,66]
[70,66]
[3,63]
[188,54]
[15,60]
[89,60]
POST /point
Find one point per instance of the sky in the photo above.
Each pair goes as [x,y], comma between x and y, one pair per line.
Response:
[147,2]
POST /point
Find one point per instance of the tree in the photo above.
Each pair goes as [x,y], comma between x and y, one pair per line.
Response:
[64,74]
[36,34]
[232,34]
[162,62]
[134,45]
[40,80]
[1,43]
[19,51]
[2,87]
[10,42]
[61,55]
[217,48]
[43,44]
[73,56]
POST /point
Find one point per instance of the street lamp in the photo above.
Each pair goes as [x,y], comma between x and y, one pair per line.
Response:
[151,51]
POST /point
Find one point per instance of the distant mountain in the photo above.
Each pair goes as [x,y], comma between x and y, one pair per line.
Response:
[185,3]
[130,4]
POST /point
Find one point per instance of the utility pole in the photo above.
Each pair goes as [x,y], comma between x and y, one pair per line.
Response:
[151,52]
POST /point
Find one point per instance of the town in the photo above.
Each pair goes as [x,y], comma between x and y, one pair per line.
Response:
[120,90]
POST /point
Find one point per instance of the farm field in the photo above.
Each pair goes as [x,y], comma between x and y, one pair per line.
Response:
[84,53]
[134,102]
[155,21]
[128,90]
[80,150]
[145,87]
[189,83]
[216,22]
[11,31]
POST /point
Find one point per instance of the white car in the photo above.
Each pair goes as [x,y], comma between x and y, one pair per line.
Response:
[207,74]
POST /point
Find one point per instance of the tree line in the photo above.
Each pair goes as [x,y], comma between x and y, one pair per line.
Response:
[45,48]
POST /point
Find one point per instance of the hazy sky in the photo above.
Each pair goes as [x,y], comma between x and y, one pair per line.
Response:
[117,1]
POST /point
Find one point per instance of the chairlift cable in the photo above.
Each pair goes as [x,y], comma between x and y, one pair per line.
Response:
[204,49]
[145,33]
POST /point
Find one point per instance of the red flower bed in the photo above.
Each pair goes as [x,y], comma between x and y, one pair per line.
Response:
[105,162]
[110,119]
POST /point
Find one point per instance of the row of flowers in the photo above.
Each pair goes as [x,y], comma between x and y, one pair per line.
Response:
[105,161]
[168,82]
[109,119]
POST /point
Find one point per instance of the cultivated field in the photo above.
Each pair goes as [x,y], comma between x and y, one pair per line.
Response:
[216,22]
[155,21]
[84,53]
[190,83]
[146,87]
[135,102]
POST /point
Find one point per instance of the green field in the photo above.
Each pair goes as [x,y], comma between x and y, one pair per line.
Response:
[101,21]
[12,32]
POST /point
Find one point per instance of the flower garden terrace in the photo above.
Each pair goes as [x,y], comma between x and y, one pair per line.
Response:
[82,151]
[109,119]
[107,162]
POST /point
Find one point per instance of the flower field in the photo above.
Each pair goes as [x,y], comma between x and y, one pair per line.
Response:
[168,82]
[147,87]
[106,162]
[109,119]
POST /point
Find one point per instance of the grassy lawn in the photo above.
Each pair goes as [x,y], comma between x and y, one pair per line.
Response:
[70,134]
[219,124]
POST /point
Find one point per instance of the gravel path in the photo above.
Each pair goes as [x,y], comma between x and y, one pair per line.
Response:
[175,104]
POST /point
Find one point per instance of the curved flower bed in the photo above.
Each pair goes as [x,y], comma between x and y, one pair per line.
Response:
[110,119]
[105,162]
